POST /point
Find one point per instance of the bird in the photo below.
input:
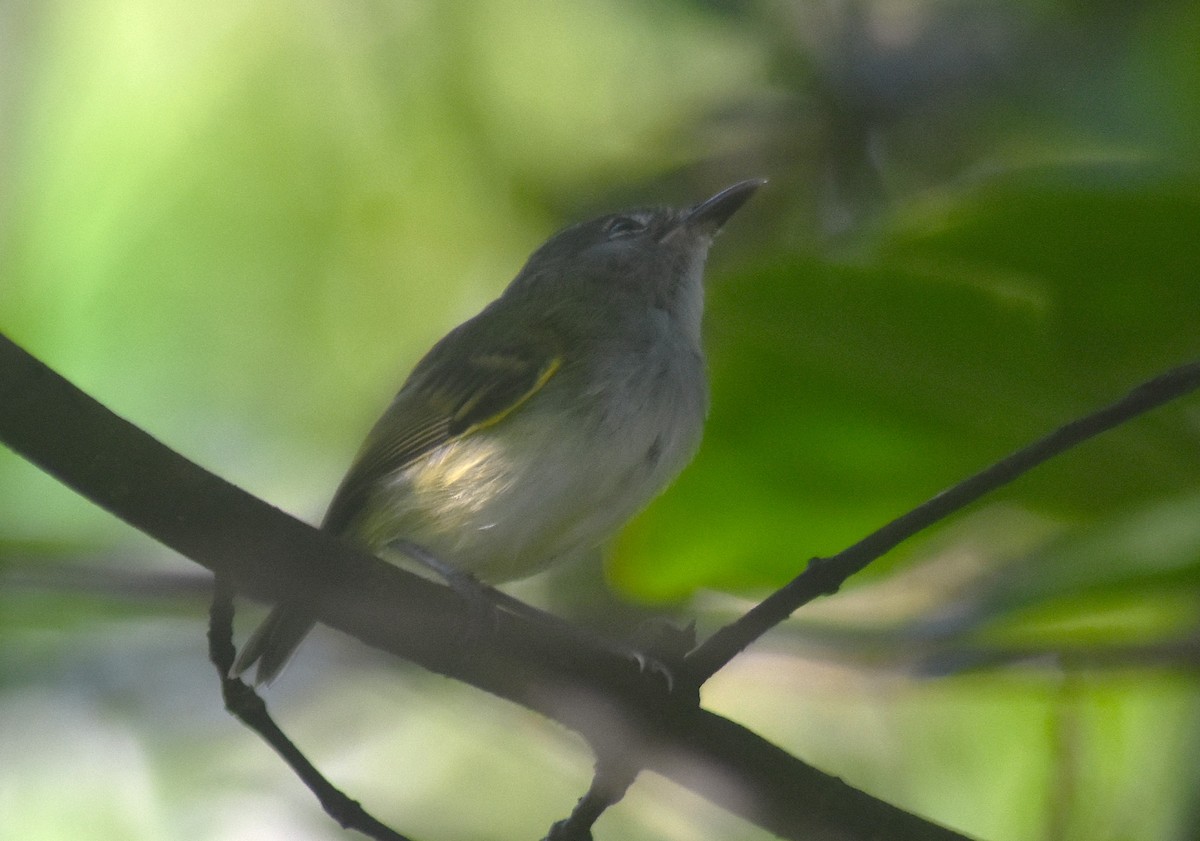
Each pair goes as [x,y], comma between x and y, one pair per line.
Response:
[532,432]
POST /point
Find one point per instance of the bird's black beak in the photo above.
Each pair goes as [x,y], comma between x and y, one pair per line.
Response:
[711,214]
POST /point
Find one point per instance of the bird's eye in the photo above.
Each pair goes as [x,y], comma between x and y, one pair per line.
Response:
[624,226]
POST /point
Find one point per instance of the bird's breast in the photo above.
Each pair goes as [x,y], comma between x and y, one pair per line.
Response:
[560,475]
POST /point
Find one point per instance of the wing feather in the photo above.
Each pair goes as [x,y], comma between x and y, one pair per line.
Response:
[449,395]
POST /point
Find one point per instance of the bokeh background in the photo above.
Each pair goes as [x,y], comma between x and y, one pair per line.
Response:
[238,224]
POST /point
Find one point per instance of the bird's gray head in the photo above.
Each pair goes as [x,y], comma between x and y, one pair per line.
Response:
[652,257]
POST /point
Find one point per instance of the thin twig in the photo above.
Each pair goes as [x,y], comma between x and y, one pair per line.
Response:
[609,783]
[824,576]
[245,704]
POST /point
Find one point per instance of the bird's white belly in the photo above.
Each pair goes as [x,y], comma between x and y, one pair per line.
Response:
[507,501]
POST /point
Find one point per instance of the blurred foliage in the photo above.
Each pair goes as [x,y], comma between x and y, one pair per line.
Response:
[239,224]
[848,389]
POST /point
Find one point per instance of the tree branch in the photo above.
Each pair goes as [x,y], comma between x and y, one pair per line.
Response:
[824,576]
[250,709]
[268,555]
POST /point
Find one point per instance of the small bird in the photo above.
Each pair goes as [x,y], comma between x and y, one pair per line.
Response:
[530,434]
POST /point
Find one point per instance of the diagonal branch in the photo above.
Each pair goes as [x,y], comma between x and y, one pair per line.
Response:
[250,709]
[266,554]
[824,576]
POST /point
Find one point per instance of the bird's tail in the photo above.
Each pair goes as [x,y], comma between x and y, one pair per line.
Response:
[272,644]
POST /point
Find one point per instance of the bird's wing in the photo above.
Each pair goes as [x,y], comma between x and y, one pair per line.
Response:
[452,392]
